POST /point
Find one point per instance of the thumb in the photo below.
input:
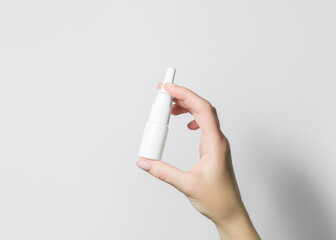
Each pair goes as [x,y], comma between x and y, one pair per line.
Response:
[166,172]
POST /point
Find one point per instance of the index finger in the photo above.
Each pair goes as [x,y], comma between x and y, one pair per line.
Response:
[204,113]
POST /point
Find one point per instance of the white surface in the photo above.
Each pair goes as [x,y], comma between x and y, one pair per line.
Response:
[155,132]
[74,74]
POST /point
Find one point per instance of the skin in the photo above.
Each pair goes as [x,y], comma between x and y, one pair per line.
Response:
[210,185]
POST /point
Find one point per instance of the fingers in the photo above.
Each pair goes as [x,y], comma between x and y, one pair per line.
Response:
[193,125]
[204,113]
[177,110]
[166,172]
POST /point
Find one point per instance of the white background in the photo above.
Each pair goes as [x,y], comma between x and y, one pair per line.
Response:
[77,80]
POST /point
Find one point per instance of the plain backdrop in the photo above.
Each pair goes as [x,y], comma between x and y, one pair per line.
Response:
[77,80]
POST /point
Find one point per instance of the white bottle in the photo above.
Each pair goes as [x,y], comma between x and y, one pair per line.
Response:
[156,128]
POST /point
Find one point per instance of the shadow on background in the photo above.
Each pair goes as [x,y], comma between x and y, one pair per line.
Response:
[300,204]
[296,202]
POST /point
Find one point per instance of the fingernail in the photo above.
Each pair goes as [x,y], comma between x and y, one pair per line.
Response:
[170,85]
[144,165]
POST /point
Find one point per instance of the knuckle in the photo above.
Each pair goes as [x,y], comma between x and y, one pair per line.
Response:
[224,142]
[205,106]
[162,175]
[214,109]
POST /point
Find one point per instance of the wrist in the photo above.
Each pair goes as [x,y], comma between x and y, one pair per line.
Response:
[239,227]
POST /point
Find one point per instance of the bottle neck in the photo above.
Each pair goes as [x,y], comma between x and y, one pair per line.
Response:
[163,98]
[161,109]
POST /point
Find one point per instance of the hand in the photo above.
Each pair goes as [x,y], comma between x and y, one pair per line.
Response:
[210,185]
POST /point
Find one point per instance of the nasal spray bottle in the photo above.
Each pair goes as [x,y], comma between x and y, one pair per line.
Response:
[156,128]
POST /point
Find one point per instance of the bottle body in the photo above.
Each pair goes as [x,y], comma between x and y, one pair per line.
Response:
[156,128]
[153,140]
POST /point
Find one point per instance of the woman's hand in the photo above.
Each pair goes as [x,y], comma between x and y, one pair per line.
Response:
[210,185]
